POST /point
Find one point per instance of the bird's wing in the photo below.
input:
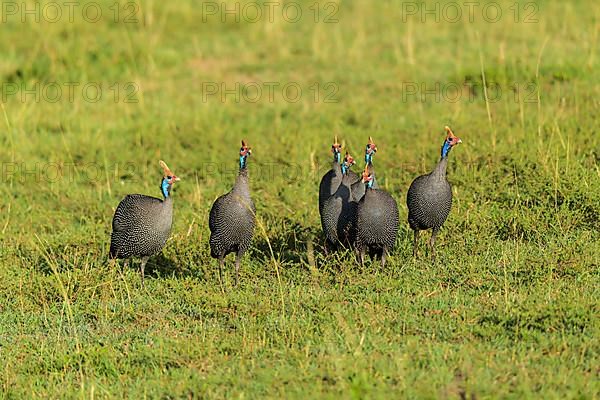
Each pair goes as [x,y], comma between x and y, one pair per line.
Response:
[215,210]
[132,208]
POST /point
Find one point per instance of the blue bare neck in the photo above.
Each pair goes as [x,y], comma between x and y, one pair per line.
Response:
[165,188]
[368,156]
[243,162]
[446,149]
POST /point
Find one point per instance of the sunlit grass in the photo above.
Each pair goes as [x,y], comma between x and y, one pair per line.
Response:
[509,309]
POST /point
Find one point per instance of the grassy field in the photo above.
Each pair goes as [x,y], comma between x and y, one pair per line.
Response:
[509,310]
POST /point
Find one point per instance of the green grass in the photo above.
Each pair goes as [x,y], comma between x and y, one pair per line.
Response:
[509,310]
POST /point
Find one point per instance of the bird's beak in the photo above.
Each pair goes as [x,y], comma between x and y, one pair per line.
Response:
[177,179]
[459,141]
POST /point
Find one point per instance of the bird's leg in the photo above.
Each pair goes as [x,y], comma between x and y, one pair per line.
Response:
[416,244]
[432,242]
[383,257]
[238,257]
[362,257]
[330,247]
[144,261]
[221,262]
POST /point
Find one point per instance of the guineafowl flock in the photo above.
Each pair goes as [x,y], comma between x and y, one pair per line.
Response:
[356,214]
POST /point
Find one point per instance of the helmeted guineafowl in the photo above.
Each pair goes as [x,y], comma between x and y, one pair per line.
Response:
[429,197]
[358,187]
[336,217]
[142,224]
[332,178]
[232,218]
[376,221]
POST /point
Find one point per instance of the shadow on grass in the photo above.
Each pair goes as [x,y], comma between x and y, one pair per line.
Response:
[299,246]
[160,266]
[291,246]
[87,257]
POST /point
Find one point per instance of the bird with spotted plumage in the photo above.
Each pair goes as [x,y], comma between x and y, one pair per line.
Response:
[142,224]
[336,217]
[376,221]
[429,198]
[233,217]
[332,179]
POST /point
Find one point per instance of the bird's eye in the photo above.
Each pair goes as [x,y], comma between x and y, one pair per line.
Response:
[169,177]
